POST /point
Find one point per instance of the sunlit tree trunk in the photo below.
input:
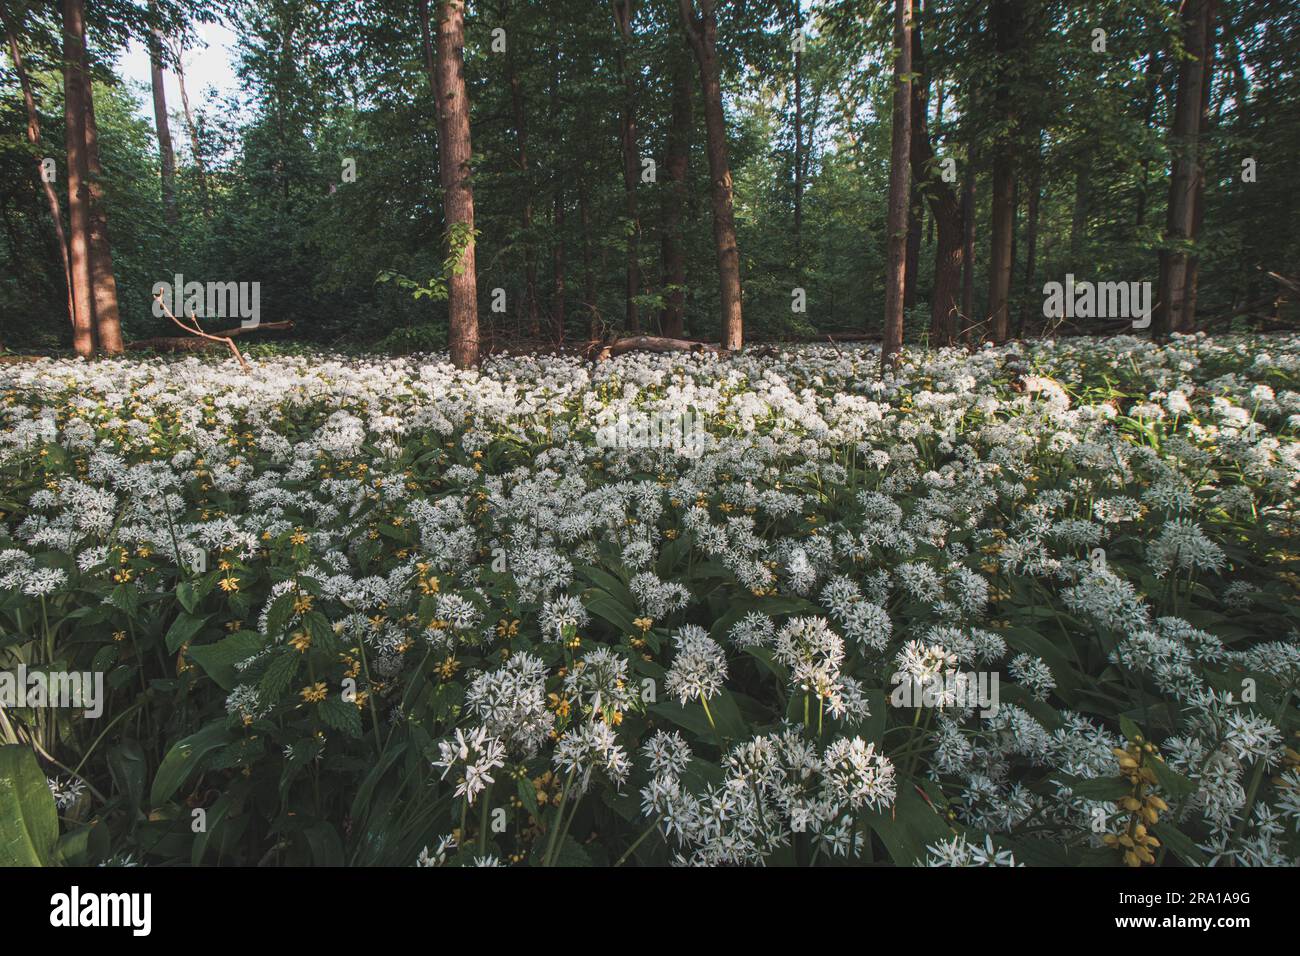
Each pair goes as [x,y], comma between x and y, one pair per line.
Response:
[458,191]
[1172,312]
[702,32]
[899,179]
[74,112]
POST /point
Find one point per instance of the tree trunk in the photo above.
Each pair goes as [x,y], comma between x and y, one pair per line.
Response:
[1005,15]
[919,137]
[945,214]
[678,152]
[530,304]
[968,242]
[1172,312]
[108,321]
[458,190]
[798,144]
[1152,82]
[631,164]
[34,138]
[74,111]
[1198,202]
[588,268]
[1079,214]
[167,158]
[899,169]
[702,32]
[1031,236]
[205,195]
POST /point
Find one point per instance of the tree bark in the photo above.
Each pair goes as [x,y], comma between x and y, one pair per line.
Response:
[1171,313]
[702,32]
[678,152]
[1006,16]
[919,139]
[623,13]
[166,157]
[530,308]
[1031,236]
[968,242]
[588,267]
[34,138]
[108,322]
[74,111]
[945,215]
[205,195]
[458,190]
[899,169]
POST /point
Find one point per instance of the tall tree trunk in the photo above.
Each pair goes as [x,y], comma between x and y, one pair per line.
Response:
[623,13]
[205,195]
[1151,80]
[702,32]
[588,268]
[166,157]
[74,111]
[34,138]
[798,141]
[678,152]
[108,320]
[899,170]
[1031,236]
[919,138]
[1006,17]
[1198,201]
[1171,312]
[1079,214]
[968,242]
[945,214]
[457,188]
[558,276]
[530,304]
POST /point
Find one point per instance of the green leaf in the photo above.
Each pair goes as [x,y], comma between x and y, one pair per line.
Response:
[341,715]
[183,629]
[1179,844]
[183,758]
[126,763]
[29,822]
[218,660]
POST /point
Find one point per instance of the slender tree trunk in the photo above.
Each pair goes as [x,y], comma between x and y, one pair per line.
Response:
[674,198]
[74,110]
[167,158]
[1079,214]
[623,13]
[945,214]
[702,32]
[588,267]
[108,320]
[1031,236]
[458,190]
[968,242]
[899,170]
[1006,15]
[205,195]
[34,138]
[798,142]
[1171,313]
[1198,201]
[530,304]
[1152,82]
[919,137]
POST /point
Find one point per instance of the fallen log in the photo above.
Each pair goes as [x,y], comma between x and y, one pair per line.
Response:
[654,343]
[180,343]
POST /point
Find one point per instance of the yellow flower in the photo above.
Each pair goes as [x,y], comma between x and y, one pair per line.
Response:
[229,584]
[300,641]
[314,694]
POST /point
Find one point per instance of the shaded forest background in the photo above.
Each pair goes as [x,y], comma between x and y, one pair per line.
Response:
[568,111]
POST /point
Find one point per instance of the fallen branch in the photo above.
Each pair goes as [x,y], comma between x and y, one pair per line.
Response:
[178,343]
[654,343]
[226,337]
